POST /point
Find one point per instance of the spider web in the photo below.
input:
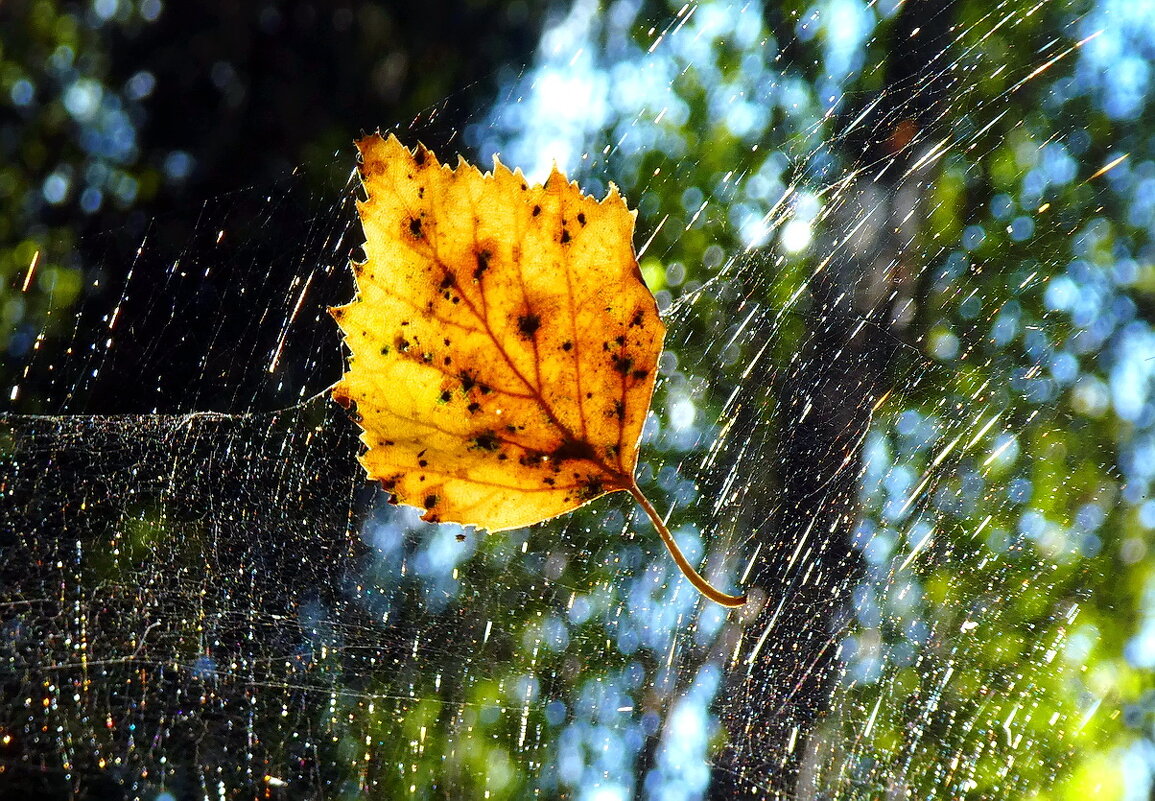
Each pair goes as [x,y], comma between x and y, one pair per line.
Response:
[881,412]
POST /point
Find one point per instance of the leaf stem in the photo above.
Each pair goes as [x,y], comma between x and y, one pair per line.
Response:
[703,586]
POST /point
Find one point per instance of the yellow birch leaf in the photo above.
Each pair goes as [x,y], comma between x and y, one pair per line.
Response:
[503,345]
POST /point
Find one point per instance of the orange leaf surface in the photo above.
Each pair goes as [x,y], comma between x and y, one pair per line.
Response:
[503,345]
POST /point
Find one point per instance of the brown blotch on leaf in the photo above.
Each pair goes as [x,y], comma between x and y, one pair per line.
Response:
[591,488]
[483,257]
[574,449]
[486,441]
[531,458]
[622,364]
[415,227]
[431,501]
[528,324]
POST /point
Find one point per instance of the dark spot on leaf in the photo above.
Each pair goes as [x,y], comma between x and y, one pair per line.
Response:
[343,399]
[485,390]
[639,374]
[402,344]
[385,350]
[449,280]
[415,226]
[574,449]
[592,488]
[619,410]
[548,481]
[483,257]
[531,458]
[637,319]
[404,322]
[473,407]
[567,345]
[582,218]
[389,484]
[620,339]
[536,210]
[419,156]
[622,364]
[564,236]
[422,463]
[448,361]
[502,457]
[486,441]
[468,380]
[528,324]
[421,191]
[445,396]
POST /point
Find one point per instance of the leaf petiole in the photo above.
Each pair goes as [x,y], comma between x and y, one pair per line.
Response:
[703,586]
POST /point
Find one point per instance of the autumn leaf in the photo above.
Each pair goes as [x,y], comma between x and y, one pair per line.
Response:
[503,345]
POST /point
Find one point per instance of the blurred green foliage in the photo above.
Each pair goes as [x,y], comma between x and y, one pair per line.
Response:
[988,583]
